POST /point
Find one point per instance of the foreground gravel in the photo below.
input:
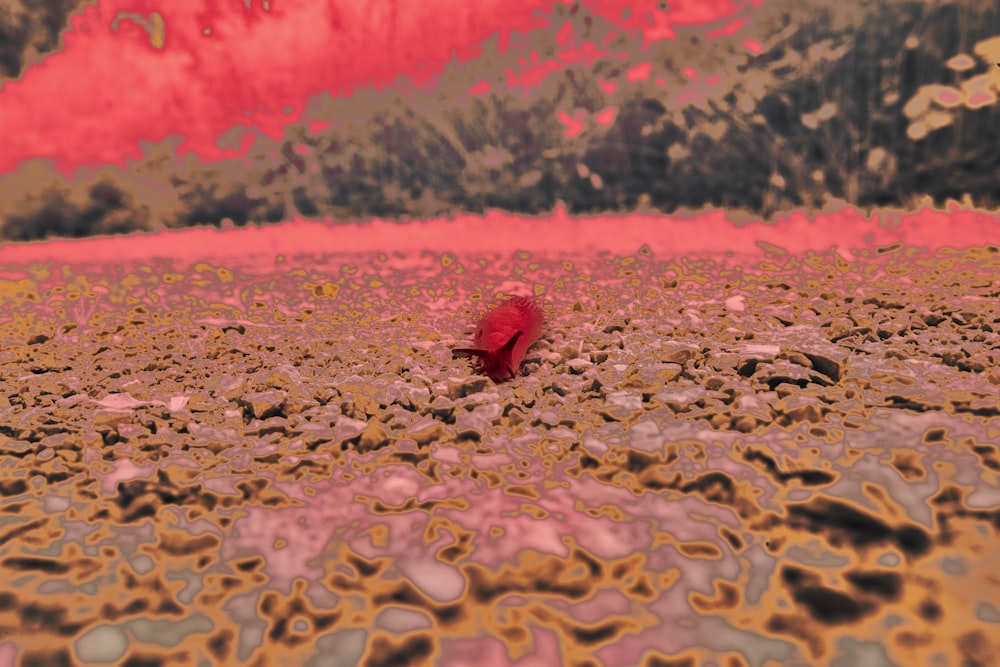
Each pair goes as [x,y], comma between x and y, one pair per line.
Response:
[729,459]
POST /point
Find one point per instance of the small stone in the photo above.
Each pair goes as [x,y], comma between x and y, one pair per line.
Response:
[677,353]
[743,423]
[796,409]
[262,427]
[105,643]
[467,387]
[110,419]
[199,403]
[624,399]
[840,327]
[372,438]
[264,404]
[282,377]
[724,362]
[715,383]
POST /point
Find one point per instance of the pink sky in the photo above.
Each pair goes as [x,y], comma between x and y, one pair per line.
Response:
[134,70]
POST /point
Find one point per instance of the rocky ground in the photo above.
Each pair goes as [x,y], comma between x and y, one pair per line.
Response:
[782,459]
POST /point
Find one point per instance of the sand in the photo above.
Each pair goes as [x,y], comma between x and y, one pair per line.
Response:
[777,449]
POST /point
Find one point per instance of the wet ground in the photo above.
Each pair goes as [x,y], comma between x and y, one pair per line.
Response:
[777,457]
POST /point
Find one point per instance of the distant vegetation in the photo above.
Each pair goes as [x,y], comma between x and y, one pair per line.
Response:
[870,102]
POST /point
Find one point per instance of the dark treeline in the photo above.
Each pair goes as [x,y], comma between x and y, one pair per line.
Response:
[869,102]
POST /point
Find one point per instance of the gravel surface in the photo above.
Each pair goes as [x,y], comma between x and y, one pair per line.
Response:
[780,459]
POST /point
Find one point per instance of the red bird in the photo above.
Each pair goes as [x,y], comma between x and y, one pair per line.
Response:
[503,336]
